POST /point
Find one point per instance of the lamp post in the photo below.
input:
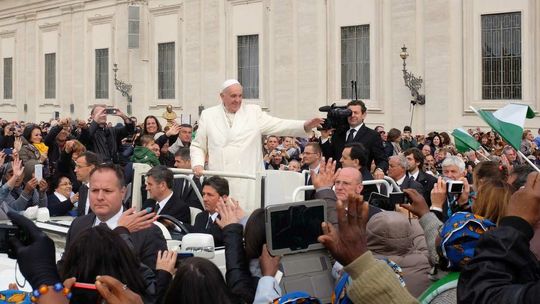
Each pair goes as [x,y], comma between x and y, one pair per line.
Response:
[123,87]
[412,82]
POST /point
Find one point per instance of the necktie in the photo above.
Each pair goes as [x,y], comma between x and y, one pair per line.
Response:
[351,136]
[156,208]
[103,225]
[412,177]
[210,221]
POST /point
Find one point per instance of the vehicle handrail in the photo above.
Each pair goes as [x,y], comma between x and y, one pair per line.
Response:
[368,182]
[299,189]
[218,173]
[396,187]
[192,184]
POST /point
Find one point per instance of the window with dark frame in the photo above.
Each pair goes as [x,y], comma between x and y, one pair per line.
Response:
[355,60]
[102,73]
[166,66]
[501,56]
[50,76]
[8,78]
[248,65]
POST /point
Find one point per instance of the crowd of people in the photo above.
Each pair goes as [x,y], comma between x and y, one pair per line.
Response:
[464,232]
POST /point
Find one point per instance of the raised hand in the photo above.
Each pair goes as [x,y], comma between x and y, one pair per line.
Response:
[313,123]
[350,241]
[115,292]
[326,176]
[228,214]
[438,194]
[166,260]
[525,202]
[418,205]
[31,186]
[269,264]
[136,220]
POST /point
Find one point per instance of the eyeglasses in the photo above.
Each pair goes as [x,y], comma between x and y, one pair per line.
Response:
[309,153]
[65,184]
[80,166]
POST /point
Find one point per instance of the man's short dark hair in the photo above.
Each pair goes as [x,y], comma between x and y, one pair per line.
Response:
[417,155]
[118,171]
[185,125]
[161,173]
[91,158]
[220,184]
[183,153]
[358,103]
[359,152]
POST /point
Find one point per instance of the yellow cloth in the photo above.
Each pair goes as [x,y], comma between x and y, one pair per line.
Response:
[375,282]
[42,148]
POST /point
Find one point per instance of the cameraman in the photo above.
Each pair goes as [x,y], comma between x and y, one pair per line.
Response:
[407,140]
[7,136]
[358,132]
[106,140]
[445,203]
[276,159]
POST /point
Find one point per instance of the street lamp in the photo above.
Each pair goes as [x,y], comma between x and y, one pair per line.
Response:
[123,87]
[412,82]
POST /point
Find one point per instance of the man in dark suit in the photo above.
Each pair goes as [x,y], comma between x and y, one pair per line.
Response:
[182,160]
[311,157]
[415,158]
[358,132]
[215,189]
[85,163]
[397,170]
[355,156]
[159,185]
[107,190]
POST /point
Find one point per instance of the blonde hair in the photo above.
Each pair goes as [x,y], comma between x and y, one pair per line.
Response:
[492,200]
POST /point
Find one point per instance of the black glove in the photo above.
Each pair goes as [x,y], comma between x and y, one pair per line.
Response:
[35,253]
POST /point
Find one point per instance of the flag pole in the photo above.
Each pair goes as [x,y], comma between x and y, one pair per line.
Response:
[487,158]
[528,160]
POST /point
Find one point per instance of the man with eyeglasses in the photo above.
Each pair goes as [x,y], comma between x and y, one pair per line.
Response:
[84,164]
[311,158]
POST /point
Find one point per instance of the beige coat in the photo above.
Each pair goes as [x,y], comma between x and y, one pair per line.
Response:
[238,148]
[391,235]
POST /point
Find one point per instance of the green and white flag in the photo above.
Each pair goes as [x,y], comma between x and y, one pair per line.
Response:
[464,141]
[508,121]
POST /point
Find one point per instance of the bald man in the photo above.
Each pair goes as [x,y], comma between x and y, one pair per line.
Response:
[229,135]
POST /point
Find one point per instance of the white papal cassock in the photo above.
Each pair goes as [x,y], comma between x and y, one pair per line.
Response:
[238,148]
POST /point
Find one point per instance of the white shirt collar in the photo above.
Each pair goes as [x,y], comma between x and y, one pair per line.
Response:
[415,174]
[113,221]
[60,196]
[163,202]
[357,127]
[400,181]
[214,216]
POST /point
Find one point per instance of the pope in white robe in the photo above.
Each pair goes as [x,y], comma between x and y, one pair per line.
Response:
[230,135]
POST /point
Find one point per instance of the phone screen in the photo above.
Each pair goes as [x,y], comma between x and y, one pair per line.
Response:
[8,151]
[84,293]
[38,171]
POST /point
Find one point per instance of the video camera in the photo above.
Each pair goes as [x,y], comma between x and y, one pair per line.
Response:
[7,232]
[337,115]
